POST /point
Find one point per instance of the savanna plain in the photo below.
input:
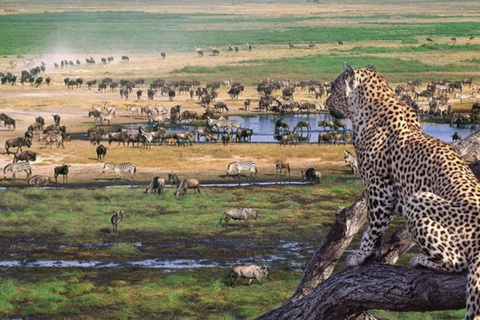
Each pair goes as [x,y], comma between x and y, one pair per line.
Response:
[59,258]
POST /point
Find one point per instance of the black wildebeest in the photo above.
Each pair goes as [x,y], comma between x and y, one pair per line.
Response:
[163,55]
[25,156]
[312,175]
[250,272]
[125,59]
[101,152]
[61,170]
[18,142]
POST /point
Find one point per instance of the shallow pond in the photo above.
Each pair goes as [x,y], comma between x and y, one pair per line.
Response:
[264,127]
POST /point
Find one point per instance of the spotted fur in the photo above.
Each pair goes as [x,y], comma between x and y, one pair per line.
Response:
[409,173]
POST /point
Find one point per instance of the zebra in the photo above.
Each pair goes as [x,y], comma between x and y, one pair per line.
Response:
[350,160]
[17,167]
[119,168]
[106,117]
[242,165]
[148,138]
[116,219]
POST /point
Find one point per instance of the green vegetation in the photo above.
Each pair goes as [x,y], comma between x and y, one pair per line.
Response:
[144,294]
[142,32]
[326,67]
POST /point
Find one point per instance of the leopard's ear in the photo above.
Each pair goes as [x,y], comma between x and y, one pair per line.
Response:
[348,75]
[370,67]
[347,68]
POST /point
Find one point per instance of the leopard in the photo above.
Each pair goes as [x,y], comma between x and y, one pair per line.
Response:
[409,173]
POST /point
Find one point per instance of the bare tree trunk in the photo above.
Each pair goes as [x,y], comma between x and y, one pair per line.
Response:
[350,294]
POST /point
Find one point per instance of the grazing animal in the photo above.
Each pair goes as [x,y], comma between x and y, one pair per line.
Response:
[61,170]
[120,168]
[238,166]
[293,138]
[8,122]
[116,218]
[250,272]
[188,184]
[18,142]
[226,139]
[119,136]
[303,124]
[438,195]
[312,175]
[101,152]
[173,179]
[456,136]
[25,156]
[239,214]
[350,160]
[56,119]
[14,168]
[280,165]
[157,184]
[39,181]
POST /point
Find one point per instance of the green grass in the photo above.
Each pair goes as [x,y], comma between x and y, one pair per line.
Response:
[142,32]
[327,66]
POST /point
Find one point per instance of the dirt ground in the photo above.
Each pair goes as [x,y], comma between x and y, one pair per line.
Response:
[24,103]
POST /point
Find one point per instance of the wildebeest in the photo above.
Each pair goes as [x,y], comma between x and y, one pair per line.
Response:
[61,170]
[101,152]
[239,214]
[39,181]
[312,175]
[25,156]
[120,136]
[188,184]
[157,184]
[18,142]
[281,165]
[303,124]
[116,218]
[221,106]
[8,121]
[250,272]
[244,134]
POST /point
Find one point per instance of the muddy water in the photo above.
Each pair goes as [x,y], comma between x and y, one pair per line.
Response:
[287,254]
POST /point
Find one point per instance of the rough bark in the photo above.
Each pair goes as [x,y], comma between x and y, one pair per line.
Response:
[377,286]
[351,293]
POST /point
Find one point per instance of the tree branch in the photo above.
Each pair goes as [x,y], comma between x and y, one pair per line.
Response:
[377,286]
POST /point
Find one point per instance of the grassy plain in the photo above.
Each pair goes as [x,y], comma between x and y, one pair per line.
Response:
[73,224]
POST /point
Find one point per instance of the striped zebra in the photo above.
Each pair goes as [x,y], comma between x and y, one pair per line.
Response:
[350,160]
[17,167]
[242,165]
[148,138]
[120,168]
[217,125]
[106,117]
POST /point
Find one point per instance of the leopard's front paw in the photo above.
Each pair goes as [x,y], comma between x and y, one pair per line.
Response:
[357,258]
